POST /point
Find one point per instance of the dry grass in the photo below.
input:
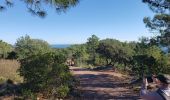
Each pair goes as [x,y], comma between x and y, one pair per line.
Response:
[8,70]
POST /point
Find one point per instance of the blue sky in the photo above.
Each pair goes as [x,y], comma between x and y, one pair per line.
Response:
[119,19]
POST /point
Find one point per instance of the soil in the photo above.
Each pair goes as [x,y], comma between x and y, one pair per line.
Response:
[103,85]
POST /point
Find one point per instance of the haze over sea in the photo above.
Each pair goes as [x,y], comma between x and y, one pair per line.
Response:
[60,45]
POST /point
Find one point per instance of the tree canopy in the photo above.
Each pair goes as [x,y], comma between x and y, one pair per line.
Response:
[160,23]
[25,47]
[37,7]
[158,6]
[92,45]
[5,48]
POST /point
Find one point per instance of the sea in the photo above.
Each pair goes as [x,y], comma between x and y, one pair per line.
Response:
[60,45]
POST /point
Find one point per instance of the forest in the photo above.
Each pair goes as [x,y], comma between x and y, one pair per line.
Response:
[40,64]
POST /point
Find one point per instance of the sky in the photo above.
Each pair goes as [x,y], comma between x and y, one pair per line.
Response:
[117,19]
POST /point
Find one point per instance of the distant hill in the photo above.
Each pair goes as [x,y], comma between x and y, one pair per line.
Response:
[60,45]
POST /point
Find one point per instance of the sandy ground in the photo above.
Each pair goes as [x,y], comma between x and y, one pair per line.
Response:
[103,85]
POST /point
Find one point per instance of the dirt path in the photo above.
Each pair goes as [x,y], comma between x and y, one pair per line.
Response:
[102,85]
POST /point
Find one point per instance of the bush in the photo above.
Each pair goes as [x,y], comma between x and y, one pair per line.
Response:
[2,79]
[5,48]
[62,91]
[25,47]
[47,74]
[28,94]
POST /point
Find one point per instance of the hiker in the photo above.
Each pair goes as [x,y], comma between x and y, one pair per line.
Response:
[163,91]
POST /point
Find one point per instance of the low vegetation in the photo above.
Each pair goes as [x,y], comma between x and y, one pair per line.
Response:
[5,48]
[139,58]
[9,70]
[36,70]
[47,74]
[43,70]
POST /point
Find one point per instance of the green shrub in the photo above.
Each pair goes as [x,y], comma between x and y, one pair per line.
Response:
[5,48]
[2,79]
[28,94]
[62,91]
[25,47]
[47,74]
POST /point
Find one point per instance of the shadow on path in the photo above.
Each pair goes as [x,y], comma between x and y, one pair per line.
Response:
[102,85]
